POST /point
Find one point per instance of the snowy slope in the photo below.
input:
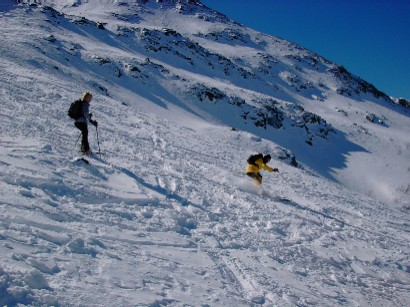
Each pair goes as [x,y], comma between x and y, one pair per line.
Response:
[296,98]
[165,216]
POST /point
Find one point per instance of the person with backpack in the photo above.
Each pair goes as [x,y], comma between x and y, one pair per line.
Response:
[80,112]
[255,164]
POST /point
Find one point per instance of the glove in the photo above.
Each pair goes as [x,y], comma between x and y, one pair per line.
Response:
[94,122]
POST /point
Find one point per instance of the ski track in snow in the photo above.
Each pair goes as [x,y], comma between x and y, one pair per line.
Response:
[166,216]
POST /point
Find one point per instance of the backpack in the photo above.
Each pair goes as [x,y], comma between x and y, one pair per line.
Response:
[252,159]
[76,109]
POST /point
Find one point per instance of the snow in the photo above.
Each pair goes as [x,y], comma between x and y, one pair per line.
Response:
[165,216]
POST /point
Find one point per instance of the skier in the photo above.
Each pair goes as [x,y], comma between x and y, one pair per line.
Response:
[255,164]
[82,122]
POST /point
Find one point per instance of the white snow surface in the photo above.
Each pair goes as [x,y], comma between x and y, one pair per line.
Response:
[165,215]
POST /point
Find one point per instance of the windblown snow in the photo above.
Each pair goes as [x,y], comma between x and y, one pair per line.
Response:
[165,216]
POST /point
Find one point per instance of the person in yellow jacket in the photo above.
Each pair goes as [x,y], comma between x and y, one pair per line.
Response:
[255,164]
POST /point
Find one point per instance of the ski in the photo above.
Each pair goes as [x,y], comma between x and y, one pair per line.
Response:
[94,153]
[81,159]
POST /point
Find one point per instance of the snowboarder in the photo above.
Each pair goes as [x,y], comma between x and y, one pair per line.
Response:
[255,164]
[82,122]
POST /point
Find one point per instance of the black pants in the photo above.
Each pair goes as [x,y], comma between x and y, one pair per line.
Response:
[83,127]
[257,177]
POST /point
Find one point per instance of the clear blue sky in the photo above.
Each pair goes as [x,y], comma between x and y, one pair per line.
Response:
[370,38]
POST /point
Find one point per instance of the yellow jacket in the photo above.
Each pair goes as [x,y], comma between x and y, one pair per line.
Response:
[250,168]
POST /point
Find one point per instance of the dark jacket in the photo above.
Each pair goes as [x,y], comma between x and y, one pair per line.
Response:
[85,118]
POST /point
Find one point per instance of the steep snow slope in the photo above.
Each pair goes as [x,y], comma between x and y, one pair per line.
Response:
[165,216]
[197,58]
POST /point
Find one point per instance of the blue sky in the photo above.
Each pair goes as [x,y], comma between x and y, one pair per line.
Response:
[370,38]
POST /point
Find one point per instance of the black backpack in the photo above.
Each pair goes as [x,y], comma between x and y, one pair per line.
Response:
[252,159]
[76,109]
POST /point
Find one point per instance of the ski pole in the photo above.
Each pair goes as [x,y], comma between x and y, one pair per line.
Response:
[98,141]
[287,182]
[75,145]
